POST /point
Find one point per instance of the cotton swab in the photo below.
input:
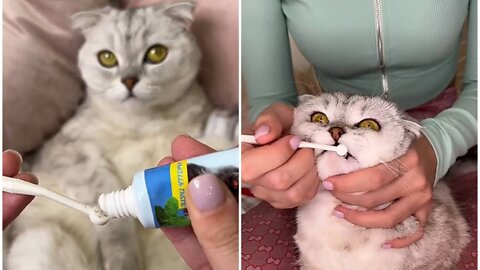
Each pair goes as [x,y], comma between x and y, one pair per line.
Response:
[340,149]
[16,186]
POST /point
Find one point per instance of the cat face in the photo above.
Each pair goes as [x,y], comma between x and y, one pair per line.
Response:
[373,130]
[138,58]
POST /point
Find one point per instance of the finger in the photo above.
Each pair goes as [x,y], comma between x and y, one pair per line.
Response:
[386,218]
[214,215]
[422,216]
[405,241]
[273,122]
[245,147]
[261,160]
[362,180]
[165,161]
[289,173]
[302,191]
[423,213]
[187,245]
[13,204]
[184,239]
[12,160]
[385,194]
[184,147]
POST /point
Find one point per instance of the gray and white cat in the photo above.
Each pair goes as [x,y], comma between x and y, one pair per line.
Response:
[327,242]
[140,69]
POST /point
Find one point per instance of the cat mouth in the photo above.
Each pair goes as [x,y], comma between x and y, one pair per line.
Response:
[130,96]
[346,157]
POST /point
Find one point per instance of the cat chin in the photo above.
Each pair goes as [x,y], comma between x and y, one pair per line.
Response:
[330,164]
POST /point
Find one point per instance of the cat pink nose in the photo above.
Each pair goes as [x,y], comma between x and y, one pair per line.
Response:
[336,132]
[130,82]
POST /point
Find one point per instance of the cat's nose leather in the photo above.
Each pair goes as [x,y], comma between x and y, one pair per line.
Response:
[130,82]
[336,132]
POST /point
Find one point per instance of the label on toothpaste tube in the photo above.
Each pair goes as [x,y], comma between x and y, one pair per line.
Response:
[166,187]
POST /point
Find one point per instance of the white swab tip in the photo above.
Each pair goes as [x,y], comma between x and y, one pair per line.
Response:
[98,217]
[341,150]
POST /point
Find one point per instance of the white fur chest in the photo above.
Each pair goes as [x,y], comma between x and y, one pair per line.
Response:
[327,242]
[134,154]
[130,151]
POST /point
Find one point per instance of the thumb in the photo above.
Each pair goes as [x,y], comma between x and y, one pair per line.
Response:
[213,212]
[273,122]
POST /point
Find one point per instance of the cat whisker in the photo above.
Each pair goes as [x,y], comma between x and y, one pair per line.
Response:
[395,167]
[399,170]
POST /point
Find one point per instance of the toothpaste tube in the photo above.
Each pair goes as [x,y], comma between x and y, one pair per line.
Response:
[157,195]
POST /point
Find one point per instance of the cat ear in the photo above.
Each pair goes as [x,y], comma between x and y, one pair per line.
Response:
[86,20]
[411,125]
[304,98]
[182,12]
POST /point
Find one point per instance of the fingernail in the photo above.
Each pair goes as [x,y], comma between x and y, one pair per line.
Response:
[338,214]
[15,153]
[295,142]
[327,185]
[261,131]
[207,192]
[34,177]
[386,246]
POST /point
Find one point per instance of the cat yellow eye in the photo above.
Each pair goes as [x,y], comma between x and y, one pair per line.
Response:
[370,124]
[107,59]
[319,117]
[156,54]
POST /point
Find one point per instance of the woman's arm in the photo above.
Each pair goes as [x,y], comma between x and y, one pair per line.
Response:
[266,61]
[454,131]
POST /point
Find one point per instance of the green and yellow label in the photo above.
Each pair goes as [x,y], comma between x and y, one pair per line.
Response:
[179,182]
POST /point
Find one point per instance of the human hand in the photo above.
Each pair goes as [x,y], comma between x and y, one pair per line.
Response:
[412,187]
[278,173]
[213,242]
[13,204]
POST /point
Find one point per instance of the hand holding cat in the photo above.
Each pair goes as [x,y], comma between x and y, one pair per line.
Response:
[411,189]
[13,204]
[286,177]
[213,242]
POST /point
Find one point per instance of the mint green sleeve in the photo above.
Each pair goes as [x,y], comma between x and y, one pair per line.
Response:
[266,61]
[454,131]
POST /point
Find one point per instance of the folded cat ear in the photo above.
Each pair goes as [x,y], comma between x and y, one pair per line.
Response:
[86,20]
[304,98]
[182,12]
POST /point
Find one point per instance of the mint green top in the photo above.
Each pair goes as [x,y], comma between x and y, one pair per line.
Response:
[421,41]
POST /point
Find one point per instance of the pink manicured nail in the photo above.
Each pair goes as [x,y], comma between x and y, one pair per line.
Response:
[207,192]
[15,153]
[327,185]
[338,214]
[261,131]
[386,246]
[295,142]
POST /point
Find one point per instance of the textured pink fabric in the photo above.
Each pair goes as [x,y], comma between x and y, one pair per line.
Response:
[267,241]
[464,190]
[267,233]
[436,105]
